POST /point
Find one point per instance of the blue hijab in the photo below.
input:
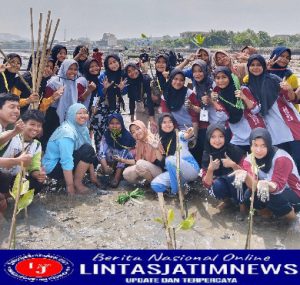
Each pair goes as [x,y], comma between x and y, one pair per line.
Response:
[121,140]
[71,129]
[279,70]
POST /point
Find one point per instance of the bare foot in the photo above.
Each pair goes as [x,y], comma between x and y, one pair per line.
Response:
[224,205]
[265,213]
[81,189]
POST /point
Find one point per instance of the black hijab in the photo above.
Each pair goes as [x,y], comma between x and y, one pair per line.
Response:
[277,69]
[134,85]
[91,77]
[80,62]
[227,94]
[122,140]
[264,163]
[265,87]
[113,91]
[203,87]
[234,152]
[168,140]
[174,98]
[55,51]
[10,77]
[161,79]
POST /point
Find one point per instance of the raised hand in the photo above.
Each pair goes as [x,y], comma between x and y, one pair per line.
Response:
[123,83]
[227,162]
[91,86]
[106,84]
[33,98]
[272,61]
[205,99]
[155,141]
[153,127]
[4,66]
[58,93]
[213,164]
[19,127]
[285,85]
[189,133]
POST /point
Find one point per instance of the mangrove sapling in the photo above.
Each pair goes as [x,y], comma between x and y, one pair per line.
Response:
[133,196]
[172,230]
[23,198]
[198,40]
[254,169]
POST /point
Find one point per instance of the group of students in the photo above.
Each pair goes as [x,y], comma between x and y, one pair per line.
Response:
[231,107]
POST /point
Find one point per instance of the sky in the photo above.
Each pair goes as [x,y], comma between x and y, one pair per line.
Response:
[130,18]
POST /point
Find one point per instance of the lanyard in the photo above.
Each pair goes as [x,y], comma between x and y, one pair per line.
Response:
[5,81]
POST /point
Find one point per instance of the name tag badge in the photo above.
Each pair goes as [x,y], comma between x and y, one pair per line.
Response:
[203,115]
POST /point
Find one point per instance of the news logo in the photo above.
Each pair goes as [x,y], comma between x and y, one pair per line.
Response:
[39,267]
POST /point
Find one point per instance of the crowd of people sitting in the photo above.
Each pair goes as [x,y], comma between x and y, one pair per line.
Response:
[234,119]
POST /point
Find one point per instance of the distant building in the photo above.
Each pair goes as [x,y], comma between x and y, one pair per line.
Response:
[187,35]
[108,40]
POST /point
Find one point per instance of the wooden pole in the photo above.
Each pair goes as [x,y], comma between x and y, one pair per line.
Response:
[251,211]
[43,56]
[12,231]
[54,34]
[162,206]
[181,197]
[33,66]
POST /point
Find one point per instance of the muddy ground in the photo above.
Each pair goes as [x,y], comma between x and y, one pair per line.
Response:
[97,221]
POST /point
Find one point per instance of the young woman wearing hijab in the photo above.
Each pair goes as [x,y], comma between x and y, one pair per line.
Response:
[61,93]
[19,89]
[180,101]
[278,177]
[189,167]
[69,153]
[81,54]
[278,64]
[114,149]
[109,99]
[202,86]
[148,155]
[222,58]
[239,105]
[87,84]
[59,53]
[205,55]
[220,158]
[139,93]
[8,77]
[281,117]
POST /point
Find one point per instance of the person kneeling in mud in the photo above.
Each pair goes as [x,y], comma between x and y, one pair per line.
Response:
[278,182]
[69,153]
[189,167]
[115,149]
[148,155]
[220,158]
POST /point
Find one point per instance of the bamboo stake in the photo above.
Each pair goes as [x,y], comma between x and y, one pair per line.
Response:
[54,33]
[12,232]
[251,211]
[181,198]
[42,60]
[162,206]
[19,74]
[33,66]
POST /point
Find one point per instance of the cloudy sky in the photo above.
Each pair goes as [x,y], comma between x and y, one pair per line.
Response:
[130,18]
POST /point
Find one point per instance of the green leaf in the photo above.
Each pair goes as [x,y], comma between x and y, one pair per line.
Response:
[171,216]
[144,36]
[25,200]
[198,39]
[188,223]
[14,191]
[25,187]
[159,220]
